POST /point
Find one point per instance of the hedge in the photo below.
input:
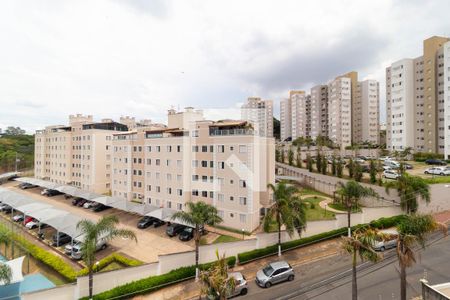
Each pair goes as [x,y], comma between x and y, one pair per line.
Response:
[423,156]
[152,283]
[381,223]
[115,257]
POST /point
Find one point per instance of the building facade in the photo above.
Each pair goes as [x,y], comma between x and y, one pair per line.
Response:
[319,111]
[300,111]
[285,119]
[259,113]
[340,112]
[368,113]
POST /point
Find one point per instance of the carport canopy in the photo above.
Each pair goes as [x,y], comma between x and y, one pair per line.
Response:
[47,214]
[13,199]
[29,208]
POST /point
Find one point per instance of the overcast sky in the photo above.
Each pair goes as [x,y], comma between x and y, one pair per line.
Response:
[140,57]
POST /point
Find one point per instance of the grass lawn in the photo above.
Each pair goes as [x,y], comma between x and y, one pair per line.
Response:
[309,191]
[225,239]
[340,206]
[317,213]
[112,266]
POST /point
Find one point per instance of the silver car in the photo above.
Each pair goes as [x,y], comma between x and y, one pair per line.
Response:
[390,241]
[240,287]
[274,273]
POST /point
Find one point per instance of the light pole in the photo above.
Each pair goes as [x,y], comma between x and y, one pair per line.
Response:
[325,209]
[96,266]
[243,231]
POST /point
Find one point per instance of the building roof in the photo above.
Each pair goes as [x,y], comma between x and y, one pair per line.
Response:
[226,123]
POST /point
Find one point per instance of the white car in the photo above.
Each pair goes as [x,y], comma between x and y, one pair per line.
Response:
[18,218]
[390,174]
[44,192]
[390,241]
[34,224]
[383,158]
[89,204]
[392,163]
[438,171]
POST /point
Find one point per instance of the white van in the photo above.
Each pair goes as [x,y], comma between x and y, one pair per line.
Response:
[392,163]
[76,248]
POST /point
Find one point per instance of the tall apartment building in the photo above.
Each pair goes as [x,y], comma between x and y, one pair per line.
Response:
[223,163]
[259,113]
[300,112]
[319,111]
[340,111]
[415,100]
[368,113]
[78,154]
[285,119]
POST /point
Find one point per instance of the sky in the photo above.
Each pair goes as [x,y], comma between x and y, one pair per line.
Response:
[112,58]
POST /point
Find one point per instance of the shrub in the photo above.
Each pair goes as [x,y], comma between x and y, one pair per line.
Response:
[115,257]
[423,156]
[152,283]
[312,206]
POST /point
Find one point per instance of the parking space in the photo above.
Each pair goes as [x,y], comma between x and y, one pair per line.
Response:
[151,241]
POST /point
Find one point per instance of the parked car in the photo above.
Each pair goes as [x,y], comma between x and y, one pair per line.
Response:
[274,273]
[158,222]
[392,163]
[101,207]
[28,220]
[5,208]
[359,160]
[443,171]
[363,157]
[81,202]
[433,161]
[18,218]
[187,234]
[25,185]
[391,174]
[35,224]
[145,222]
[240,286]
[76,200]
[390,241]
[89,204]
[44,192]
[174,229]
[50,193]
[407,166]
[60,239]
[383,158]
[68,247]
[76,248]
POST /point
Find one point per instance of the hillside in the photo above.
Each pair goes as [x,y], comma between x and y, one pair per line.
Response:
[23,145]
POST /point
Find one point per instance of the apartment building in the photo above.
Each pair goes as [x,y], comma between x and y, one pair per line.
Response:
[319,111]
[285,119]
[367,114]
[223,163]
[340,111]
[446,99]
[415,100]
[301,116]
[259,113]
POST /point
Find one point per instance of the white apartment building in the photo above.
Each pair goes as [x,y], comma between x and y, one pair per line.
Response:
[368,114]
[259,113]
[340,112]
[319,111]
[300,112]
[285,119]
[222,163]
[78,154]
[446,94]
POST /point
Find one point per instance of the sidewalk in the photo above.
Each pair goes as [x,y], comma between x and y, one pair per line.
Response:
[309,254]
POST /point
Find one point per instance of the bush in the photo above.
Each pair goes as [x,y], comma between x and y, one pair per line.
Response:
[115,257]
[381,223]
[312,206]
[423,156]
[152,283]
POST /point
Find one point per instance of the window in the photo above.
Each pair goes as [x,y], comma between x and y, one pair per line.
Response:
[204,148]
[204,164]
[194,192]
[221,148]
[242,200]
[158,162]
[220,197]
[158,189]
[220,213]
[169,148]
[204,194]
[179,206]
[195,163]
[179,192]
[179,163]
[194,177]
[221,165]
[169,191]
[242,183]
[158,148]
[204,178]
[195,133]
[242,149]
[211,164]
[178,148]
[194,148]
[243,218]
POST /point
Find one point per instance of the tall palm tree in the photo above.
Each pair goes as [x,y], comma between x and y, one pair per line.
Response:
[413,231]
[409,189]
[217,284]
[104,229]
[198,215]
[360,243]
[351,193]
[287,210]
[5,270]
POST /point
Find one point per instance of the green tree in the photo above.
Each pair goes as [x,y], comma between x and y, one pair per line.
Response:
[299,142]
[339,168]
[277,155]
[409,189]
[288,210]
[298,158]
[309,142]
[333,166]
[351,167]
[290,157]
[357,172]
[309,162]
[11,130]
[104,229]
[324,166]
[351,193]
[282,155]
[5,270]
[216,282]
[373,171]
[360,244]
[198,215]
[413,231]
[318,162]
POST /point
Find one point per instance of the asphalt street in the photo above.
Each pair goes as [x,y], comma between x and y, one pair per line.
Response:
[329,279]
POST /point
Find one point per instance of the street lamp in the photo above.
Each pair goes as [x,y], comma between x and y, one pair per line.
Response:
[96,266]
[325,209]
[243,231]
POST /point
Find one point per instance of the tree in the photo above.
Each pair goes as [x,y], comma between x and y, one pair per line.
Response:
[299,142]
[406,153]
[339,168]
[287,209]
[324,166]
[357,172]
[409,189]
[373,171]
[318,162]
[413,231]
[298,158]
[351,193]
[282,155]
[351,168]
[198,215]
[309,142]
[5,270]
[290,156]
[309,162]
[276,128]
[360,244]
[277,155]
[105,229]
[217,284]
[11,130]
[333,166]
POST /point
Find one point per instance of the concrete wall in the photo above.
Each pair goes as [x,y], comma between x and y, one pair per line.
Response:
[64,292]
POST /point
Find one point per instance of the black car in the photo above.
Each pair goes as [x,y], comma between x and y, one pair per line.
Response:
[51,193]
[81,202]
[26,185]
[6,208]
[101,207]
[187,234]
[145,222]
[174,229]
[407,166]
[75,201]
[60,239]
[158,222]
[433,161]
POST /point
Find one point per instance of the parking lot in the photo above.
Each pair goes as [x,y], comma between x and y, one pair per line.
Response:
[151,241]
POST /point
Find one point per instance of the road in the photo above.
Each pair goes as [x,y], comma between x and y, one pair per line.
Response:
[330,279]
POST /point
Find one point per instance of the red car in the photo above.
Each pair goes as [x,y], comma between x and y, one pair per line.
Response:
[28,220]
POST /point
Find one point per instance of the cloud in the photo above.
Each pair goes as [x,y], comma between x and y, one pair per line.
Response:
[156,8]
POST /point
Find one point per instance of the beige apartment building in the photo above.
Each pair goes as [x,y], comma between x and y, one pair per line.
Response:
[285,119]
[340,112]
[223,163]
[319,111]
[367,112]
[301,116]
[415,100]
[260,114]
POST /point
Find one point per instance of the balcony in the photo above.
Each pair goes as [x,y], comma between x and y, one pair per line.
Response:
[226,132]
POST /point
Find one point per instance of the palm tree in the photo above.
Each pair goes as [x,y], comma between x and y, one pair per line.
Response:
[413,231]
[5,270]
[287,210]
[360,243]
[198,215]
[217,284]
[409,189]
[351,192]
[105,229]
